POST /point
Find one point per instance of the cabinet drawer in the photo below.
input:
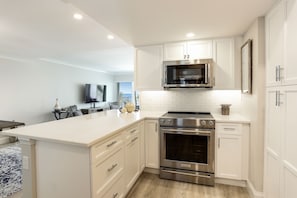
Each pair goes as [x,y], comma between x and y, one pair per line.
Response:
[231,129]
[116,190]
[102,149]
[104,172]
[131,133]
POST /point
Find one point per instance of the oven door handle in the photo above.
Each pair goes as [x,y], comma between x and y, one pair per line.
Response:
[188,174]
[188,131]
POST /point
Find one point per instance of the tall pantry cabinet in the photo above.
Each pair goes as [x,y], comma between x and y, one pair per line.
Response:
[280,179]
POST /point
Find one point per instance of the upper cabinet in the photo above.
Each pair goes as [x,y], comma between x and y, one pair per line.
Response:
[188,50]
[224,64]
[148,68]
[281,44]
[149,61]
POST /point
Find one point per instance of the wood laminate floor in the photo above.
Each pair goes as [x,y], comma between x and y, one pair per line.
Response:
[151,186]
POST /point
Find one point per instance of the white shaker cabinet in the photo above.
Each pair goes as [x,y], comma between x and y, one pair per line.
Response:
[152,144]
[142,145]
[224,64]
[132,156]
[232,140]
[275,45]
[199,49]
[148,68]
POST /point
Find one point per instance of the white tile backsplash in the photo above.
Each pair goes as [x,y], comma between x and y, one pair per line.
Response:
[190,100]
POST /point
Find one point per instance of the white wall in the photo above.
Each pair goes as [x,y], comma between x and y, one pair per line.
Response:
[190,100]
[29,88]
[254,104]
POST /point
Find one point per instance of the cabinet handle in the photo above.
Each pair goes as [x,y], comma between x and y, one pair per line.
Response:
[112,167]
[133,131]
[185,56]
[276,73]
[188,56]
[134,139]
[276,98]
[156,129]
[229,129]
[219,142]
[109,145]
[115,195]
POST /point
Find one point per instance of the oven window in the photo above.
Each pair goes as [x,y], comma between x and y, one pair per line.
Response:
[186,74]
[190,148]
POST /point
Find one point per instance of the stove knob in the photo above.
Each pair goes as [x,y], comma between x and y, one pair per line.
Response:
[203,122]
[211,123]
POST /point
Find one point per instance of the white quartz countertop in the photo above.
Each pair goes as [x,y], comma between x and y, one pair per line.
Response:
[83,130]
[234,118]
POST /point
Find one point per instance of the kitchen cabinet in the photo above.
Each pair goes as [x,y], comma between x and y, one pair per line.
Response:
[142,145]
[132,156]
[152,144]
[232,140]
[199,49]
[280,168]
[224,64]
[148,68]
[275,45]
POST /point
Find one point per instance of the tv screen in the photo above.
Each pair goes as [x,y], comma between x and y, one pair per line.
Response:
[95,93]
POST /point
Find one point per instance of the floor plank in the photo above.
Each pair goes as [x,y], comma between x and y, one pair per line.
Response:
[151,186]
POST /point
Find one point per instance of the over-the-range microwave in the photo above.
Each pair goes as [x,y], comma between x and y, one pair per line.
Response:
[196,73]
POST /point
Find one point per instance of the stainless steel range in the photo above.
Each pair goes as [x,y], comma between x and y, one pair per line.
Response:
[187,147]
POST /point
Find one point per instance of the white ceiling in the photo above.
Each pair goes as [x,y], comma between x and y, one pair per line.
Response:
[46,30]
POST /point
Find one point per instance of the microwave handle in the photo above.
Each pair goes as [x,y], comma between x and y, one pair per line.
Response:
[206,73]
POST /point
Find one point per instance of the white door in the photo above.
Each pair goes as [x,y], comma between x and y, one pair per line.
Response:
[175,51]
[152,144]
[275,44]
[290,71]
[199,49]
[148,71]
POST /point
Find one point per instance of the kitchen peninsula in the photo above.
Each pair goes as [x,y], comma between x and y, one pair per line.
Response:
[84,156]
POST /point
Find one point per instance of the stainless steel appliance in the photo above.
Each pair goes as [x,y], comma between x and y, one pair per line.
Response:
[188,74]
[187,147]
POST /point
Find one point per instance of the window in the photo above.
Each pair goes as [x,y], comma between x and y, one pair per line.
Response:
[127,94]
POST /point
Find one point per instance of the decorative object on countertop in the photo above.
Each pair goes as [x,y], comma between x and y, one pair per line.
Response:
[11,177]
[246,67]
[57,106]
[225,109]
[123,110]
[130,107]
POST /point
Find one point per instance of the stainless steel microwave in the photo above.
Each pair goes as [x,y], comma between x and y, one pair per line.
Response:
[188,74]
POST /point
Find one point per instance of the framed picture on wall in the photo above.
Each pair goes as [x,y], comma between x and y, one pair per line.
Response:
[246,67]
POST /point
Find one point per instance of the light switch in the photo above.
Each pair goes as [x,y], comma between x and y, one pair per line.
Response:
[25,162]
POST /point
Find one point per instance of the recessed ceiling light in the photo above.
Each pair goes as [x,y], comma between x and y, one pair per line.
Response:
[190,34]
[110,37]
[77,16]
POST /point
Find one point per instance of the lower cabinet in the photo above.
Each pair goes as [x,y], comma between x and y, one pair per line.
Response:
[132,157]
[232,142]
[152,144]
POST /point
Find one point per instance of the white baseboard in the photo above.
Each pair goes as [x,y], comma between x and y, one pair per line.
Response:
[152,170]
[231,182]
[253,192]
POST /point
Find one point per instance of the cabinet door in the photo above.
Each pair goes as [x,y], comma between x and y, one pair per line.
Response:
[152,144]
[148,71]
[290,70]
[274,44]
[175,51]
[132,161]
[229,156]
[223,55]
[142,146]
[199,49]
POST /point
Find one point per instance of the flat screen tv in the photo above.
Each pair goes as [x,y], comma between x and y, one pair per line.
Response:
[95,93]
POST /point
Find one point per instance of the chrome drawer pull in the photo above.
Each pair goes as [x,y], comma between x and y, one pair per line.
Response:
[115,195]
[134,139]
[109,145]
[229,129]
[133,131]
[112,167]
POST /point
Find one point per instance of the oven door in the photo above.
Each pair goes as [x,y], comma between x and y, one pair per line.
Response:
[187,149]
